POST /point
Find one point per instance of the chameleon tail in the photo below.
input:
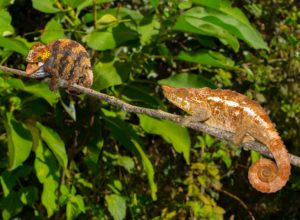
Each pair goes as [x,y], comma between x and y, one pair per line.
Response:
[267,177]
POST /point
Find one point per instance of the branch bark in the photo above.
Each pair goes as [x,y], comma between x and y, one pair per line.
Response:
[221,134]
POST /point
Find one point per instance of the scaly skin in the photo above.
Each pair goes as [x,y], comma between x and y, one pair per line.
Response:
[61,59]
[234,112]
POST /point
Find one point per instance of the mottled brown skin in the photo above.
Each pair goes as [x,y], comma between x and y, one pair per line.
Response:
[246,119]
[61,59]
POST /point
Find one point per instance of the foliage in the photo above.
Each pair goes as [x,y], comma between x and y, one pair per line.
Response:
[70,156]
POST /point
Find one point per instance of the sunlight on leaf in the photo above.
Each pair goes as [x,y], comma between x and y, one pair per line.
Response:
[116,206]
[19,141]
[55,143]
[171,132]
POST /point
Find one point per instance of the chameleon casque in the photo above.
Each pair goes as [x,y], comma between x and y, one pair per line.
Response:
[61,59]
[246,119]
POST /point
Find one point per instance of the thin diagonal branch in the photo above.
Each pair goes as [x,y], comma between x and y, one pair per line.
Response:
[221,134]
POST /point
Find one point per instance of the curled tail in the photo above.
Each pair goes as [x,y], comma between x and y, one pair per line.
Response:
[268,177]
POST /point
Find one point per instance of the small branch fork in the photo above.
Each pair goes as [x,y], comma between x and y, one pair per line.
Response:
[221,134]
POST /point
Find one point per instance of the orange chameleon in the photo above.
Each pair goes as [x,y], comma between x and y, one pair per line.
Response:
[246,119]
[61,59]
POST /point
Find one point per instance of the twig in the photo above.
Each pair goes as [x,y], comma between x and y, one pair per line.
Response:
[221,134]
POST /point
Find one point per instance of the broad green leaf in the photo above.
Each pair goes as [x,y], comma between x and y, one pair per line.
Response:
[170,132]
[185,4]
[53,31]
[45,163]
[75,206]
[107,19]
[4,3]
[9,179]
[5,26]
[28,195]
[125,134]
[116,206]
[154,3]
[86,3]
[195,25]
[73,3]
[46,6]
[55,143]
[10,205]
[14,44]
[123,161]
[101,40]
[187,80]
[235,24]
[211,3]
[128,34]
[225,7]
[110,74]
[19,141]
[49,195]
[149,30]
[38,89]
[208,58]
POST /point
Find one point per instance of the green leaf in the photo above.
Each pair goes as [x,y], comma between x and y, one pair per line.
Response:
[5,3]
[45,163]
[128,34]
[228,19]
[46,6]
[211,3]
[124,133]
[19,141]
[123,161]
[170,132]
[14,44]
[75,206]
[53,31]
[101,40]
[187,80]
[187,23]
[110,74]
[116,206]
[208,58]
[86,3]
[55,143]
[5,26]
[49,197]
[28,195]
[38,89]
[154,3]
[11,205]
[148,30]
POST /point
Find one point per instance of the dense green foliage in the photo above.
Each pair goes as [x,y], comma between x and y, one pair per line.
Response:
[70,156]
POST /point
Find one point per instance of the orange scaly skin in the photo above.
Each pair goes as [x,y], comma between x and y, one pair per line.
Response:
[234,112]
[61,59]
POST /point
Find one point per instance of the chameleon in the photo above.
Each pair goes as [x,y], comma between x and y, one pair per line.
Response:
[246,119]
[63,59]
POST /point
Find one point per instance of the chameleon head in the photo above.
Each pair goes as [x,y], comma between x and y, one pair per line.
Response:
[36,58]
[178,96]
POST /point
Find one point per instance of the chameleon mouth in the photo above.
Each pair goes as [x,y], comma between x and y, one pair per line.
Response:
[36,70]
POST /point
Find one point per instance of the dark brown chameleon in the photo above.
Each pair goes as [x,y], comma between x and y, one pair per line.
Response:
[61,59]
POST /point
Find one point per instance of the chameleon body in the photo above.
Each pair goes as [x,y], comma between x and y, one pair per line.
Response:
[61,59]
[246,119]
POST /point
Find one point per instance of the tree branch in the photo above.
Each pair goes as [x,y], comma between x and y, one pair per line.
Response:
[221,134]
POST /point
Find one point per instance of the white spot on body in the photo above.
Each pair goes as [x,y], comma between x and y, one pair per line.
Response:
[246,109]
[231,103]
